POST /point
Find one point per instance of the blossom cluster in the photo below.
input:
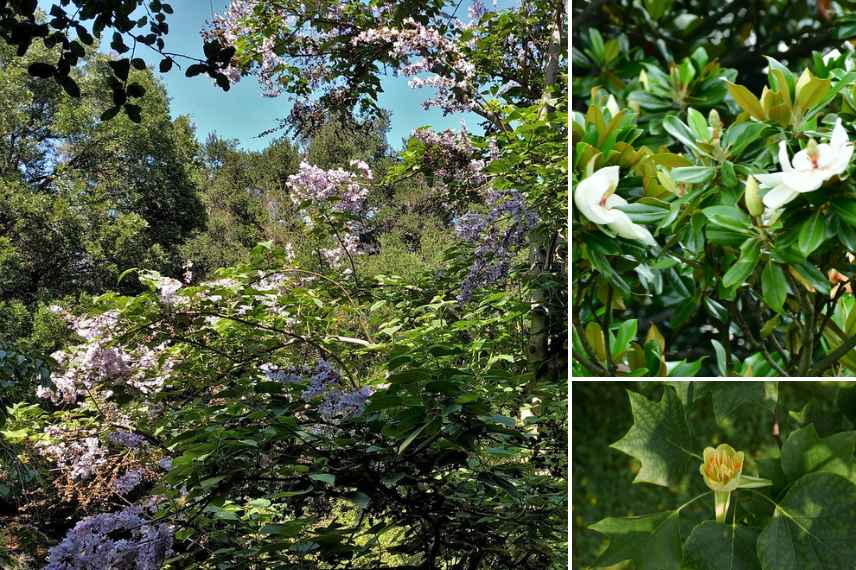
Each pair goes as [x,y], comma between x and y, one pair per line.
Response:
[497,236]
[452,157]
[324,382]
[345,192]
[78,457]
[97,361]
[428,52]
[123,540]
[343,189]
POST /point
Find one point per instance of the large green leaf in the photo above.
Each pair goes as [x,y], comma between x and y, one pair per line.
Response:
[750,253]
[804,452]
[730,396]
[730,218]
[652,542]
[659,439]
[678,129]
[774,287]
[812,234]
[715,546]
[813,527]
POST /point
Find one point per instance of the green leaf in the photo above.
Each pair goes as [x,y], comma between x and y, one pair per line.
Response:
[804,452]
[698,124]
[652,542]
[721,361]
[675,127]
[730,218]
[684,369]
[750,252]
[714,546]
[774,287]
[746,100]
[626,333]
[846,210]
[728,397]
[813,527]
[812,234]
[658,438]
[412,437]
[693,174]
[328,478]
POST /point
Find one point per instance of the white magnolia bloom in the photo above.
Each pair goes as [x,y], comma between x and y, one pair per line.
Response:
[595,198]
[811,167]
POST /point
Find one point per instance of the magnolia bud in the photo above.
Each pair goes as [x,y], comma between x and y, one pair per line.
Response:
[752,198]
[713,120]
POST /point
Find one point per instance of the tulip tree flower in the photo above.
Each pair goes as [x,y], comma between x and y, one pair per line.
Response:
[811,167]
[595,198]
[723,473]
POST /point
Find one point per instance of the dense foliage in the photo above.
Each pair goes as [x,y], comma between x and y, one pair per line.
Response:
[325,354]
[780,498]
[714,213]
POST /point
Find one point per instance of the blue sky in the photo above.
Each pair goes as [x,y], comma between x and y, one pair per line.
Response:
[243,112]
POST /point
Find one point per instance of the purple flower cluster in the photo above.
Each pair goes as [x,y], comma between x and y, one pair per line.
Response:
[98,361]
[340,187]
[325,383]
[124,540]
[451,74]
[127,439]
[129,481]
[498,236]
[79,457]
[451,156]
[339,404]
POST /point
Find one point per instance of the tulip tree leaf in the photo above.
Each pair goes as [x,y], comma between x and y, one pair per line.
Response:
[714,546]
[813,527]
[659,439]
[804,452]
[728,397]
[652,542]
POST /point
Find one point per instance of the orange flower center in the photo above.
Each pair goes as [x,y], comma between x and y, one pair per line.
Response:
[722,468]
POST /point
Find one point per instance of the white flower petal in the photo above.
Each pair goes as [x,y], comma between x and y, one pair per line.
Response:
[839,135]
[778,197]
[589,193]
[769,180]
[783,157]
[624,227]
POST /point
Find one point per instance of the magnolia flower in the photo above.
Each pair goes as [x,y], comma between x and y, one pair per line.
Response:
[595,198]
[723,473]
[811,167]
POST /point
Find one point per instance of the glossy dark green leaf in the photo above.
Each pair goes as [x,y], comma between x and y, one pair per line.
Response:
[750,253]
[730,218]
[812,234]
[774,286]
